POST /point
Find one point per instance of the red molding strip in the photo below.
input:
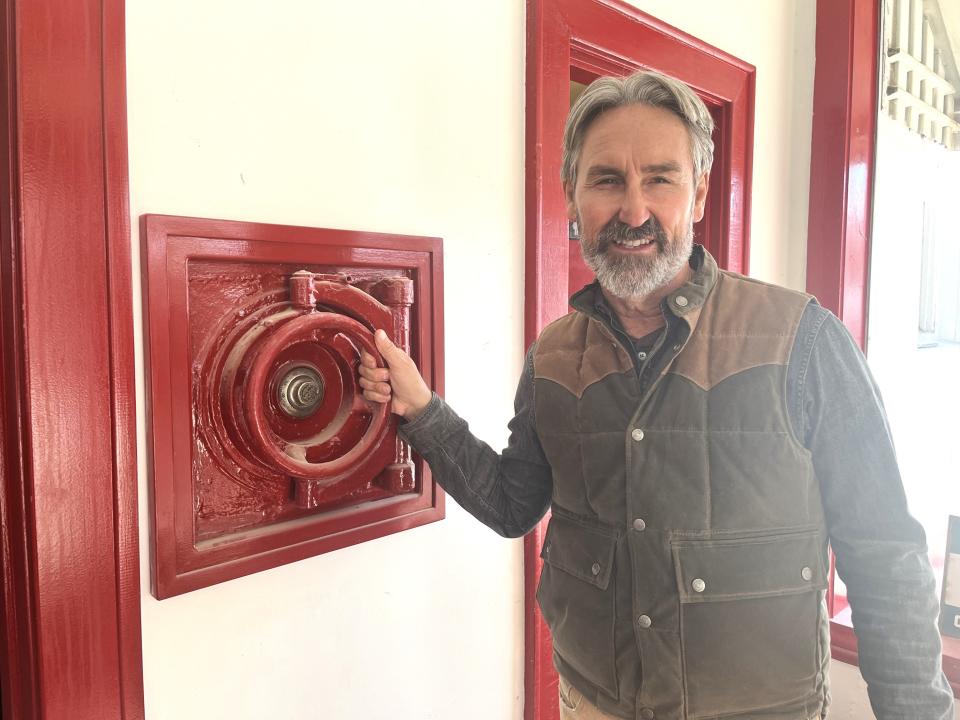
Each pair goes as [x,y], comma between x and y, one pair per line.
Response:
[842,158]
[845,107]
[123,390]
[72,581]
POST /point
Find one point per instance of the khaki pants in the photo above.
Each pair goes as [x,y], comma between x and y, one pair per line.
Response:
[574,706]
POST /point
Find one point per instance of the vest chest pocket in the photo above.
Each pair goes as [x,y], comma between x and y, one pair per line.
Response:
[749,614]
[576,596]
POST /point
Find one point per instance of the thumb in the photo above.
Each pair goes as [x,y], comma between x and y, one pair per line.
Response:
[391,353]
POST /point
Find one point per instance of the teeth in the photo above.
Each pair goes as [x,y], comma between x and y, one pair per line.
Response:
[633,243]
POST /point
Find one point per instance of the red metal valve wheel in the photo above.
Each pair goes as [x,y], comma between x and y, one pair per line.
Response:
[255,400]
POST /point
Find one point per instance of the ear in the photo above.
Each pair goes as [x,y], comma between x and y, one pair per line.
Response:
[571,204]
[700,196]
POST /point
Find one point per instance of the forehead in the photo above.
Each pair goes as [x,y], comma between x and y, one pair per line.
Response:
[636,134]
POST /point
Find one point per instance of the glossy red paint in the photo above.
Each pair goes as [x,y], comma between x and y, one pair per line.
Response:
[841,183]
[265,452]
[841,188]
[842,158]
[71,581]
[580,40]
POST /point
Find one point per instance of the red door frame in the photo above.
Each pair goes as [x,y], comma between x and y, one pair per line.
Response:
[68,475]
[845,107]
[841,184]
[580,39]
[841,158]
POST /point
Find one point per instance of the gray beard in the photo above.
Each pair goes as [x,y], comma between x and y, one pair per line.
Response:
[625,276]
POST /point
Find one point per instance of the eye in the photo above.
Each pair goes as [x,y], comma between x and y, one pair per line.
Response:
[607,180]
[660,180]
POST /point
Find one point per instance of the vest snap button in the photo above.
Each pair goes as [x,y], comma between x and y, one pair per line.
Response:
[639,525]
[595,569]
[647,714]
[637,434]
[699,585]
[681,301]
[806,573]
[644,621]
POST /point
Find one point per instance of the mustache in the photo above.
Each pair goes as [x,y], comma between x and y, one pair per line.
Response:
[615,231]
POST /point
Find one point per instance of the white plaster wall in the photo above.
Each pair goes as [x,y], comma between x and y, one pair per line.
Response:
[386,116]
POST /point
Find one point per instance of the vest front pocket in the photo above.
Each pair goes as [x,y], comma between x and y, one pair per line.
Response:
[576,597]
[749,614]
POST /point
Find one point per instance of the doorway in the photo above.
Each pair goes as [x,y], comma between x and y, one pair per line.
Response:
[569,43]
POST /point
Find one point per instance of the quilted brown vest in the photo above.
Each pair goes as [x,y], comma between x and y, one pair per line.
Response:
[687,544]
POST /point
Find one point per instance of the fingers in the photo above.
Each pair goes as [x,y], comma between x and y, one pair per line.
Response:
[368,369]
[374,391]
[374,380]
[399,381]
[380,388]
[376,397]
[391,353]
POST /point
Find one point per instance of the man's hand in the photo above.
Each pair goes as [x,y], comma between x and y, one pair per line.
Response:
[400,379]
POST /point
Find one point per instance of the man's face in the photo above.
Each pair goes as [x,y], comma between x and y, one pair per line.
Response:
[636,199]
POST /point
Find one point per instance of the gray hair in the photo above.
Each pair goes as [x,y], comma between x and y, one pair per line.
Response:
[640,88]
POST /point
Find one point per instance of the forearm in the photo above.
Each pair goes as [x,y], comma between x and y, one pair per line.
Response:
[881,550]
[892,595]
[508,492]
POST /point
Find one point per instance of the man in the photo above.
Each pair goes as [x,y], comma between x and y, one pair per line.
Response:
[700,437]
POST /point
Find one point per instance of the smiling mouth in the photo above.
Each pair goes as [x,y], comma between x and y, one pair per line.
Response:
[634,243]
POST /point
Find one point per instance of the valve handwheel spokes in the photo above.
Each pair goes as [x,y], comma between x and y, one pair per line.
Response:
[300,392]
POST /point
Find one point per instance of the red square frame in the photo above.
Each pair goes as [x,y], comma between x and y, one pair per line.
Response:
[179,562]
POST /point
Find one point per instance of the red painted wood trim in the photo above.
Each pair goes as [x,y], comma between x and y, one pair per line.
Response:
[548,62]
[19,693]
[70,539]
[583,38]
[841,179]
[548,99]
[123,390]
[842,158]
[539,677]
[845,107]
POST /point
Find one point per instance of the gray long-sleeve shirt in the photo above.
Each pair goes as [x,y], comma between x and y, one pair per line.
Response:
[836,409]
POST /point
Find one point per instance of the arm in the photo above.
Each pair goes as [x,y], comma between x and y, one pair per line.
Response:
[881,550]
[508,492]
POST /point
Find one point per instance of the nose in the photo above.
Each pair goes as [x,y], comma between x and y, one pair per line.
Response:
[633,206]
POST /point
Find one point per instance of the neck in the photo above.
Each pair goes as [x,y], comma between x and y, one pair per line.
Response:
[641,314]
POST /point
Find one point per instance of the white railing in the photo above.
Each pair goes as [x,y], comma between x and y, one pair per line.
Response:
[920,72]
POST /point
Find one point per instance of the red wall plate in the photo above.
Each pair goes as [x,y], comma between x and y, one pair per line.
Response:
[263,451]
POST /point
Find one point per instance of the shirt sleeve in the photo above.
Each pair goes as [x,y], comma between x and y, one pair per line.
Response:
[510,491]
[880,549]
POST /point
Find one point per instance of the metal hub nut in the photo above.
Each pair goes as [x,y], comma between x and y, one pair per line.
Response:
[300,392]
